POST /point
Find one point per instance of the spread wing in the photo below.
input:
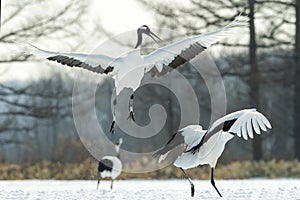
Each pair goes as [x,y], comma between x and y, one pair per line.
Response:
[91,62]
[176,54]
[177,139]
[243,123]
[186,137]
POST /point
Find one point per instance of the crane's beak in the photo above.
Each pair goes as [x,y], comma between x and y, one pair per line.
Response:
[154,37]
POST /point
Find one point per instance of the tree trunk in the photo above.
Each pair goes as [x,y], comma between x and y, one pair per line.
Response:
[297,83]
[254,78]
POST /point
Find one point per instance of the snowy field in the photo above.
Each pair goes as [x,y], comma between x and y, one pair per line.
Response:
[150,189]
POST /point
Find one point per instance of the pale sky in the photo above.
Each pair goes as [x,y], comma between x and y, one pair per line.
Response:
[121,15]
[116,16]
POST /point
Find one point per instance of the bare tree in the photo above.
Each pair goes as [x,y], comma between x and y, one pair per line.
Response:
[22,21]
[27,106]
[254,80]
[281,35]
[272,39]
[297,82]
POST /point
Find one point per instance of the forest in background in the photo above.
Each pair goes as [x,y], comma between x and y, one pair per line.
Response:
[260,68]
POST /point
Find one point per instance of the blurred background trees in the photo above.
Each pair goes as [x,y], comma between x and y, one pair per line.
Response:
[296,78]
[32,109]
[260,67]
[262,59]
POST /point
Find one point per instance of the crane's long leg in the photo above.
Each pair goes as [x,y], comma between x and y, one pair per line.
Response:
[111,186]
[188,178]
[113,123]
[131,113]
[212,180]
[112,126]
[98,182]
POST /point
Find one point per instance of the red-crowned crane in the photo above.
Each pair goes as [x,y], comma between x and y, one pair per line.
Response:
[158,62]
[110,166]
[206,146]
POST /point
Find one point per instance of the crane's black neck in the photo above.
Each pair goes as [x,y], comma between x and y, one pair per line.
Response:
[139,40]
[221,127]
[118,155]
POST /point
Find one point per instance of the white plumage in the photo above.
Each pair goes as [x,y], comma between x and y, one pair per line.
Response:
[206,146]
[110,166]
[158,63]
[116,169]
[132,60]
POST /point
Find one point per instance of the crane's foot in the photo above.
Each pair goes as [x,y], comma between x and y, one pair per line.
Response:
[191,183]
[111,186]
[131,116]
[112,127]
[212,180]
[98,184]
[192,190]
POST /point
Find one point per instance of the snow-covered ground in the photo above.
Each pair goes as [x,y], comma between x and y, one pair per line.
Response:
[282,189]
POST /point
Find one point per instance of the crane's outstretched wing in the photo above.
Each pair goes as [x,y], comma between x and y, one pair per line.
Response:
[174,55]
[176,140]
[186,137]
[242,123]
[92,62]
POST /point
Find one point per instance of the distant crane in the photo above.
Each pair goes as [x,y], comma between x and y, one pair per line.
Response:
[206,146]
[157,63]
[110,166]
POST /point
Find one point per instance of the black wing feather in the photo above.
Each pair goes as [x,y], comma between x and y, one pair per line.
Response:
[72,62]
[222,126]
[185,56]
[174,141]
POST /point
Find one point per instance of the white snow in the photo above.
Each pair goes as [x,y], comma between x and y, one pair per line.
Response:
[283,189]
